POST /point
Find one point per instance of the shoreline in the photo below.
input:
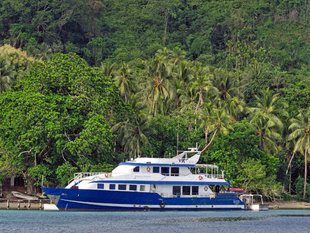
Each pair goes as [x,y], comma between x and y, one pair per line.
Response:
[22,204]
[38,205]
[289,205]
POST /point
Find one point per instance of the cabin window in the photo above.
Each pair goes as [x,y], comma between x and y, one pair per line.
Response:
[112,186]
[165,171]
[186,190]
[195,190]
[100,186]
[155,169]
[142,188]
[121,187]
[176,190]
[133,187]
[136,169]
[174,171]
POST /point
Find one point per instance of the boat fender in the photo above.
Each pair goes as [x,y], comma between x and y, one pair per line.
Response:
[200,177]
[162,205]
[148,169]
[206,188]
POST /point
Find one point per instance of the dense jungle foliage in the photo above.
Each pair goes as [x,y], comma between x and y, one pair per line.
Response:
[85,84]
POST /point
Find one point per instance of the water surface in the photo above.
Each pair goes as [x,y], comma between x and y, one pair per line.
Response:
[162,222]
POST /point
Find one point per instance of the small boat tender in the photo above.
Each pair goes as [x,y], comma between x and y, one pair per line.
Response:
[254,202]
[177,183]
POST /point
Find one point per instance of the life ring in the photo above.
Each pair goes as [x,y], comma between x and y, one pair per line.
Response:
[148,169]
[200,177]
[106,175]
[162,205]
[206,188]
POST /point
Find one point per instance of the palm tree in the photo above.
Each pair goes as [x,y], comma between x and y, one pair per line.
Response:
[300,127]
[205,118]
[265,117]
[201,83]
[182,76]
[234,107]
[214,120]
[14,63]
[108,69]
[6,74]
[267,131]
[187,96]
[158,72]
[124,81]
[228,84]
[131,132]
[174,56]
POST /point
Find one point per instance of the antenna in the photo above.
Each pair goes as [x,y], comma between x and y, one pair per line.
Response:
[178,139]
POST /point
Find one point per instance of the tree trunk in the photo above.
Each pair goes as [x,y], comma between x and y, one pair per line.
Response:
[200,101]
[166,26]
[305,182]
[206,135]
[290,184]
[210,141]
[29,184]
[289,168]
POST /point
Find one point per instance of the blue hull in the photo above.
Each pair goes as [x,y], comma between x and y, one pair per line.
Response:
[79,199]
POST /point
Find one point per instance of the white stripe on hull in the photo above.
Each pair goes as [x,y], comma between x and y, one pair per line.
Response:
[157,206]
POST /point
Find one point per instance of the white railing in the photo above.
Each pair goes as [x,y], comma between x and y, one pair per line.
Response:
[80,175]
[209,170]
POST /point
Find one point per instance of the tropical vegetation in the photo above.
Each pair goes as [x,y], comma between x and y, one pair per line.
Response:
[87,84]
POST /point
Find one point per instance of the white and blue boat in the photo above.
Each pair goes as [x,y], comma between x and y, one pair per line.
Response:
[177,183]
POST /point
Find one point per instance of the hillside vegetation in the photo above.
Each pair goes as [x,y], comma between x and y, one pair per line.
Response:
[85,84]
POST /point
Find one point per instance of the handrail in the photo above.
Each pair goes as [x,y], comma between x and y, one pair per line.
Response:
[80,175]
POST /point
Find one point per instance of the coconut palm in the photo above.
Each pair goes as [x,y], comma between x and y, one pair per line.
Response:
[229,87]
[201,83]
[265,117]
[6,74]
[267,131]
[124,80]
[174,56]
[157,72]
[235,107]
[205,118]
[300,127]
[182,76]
[131,132]
[187,96]
[108,69]
[228,84]
[214,120]
[14,63]
[183,71]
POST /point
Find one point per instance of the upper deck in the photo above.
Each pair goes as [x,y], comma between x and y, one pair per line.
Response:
[180,170]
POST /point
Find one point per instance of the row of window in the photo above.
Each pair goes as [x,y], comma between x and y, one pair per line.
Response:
[176,190]
[185,190]
[131,187]
[166,171]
